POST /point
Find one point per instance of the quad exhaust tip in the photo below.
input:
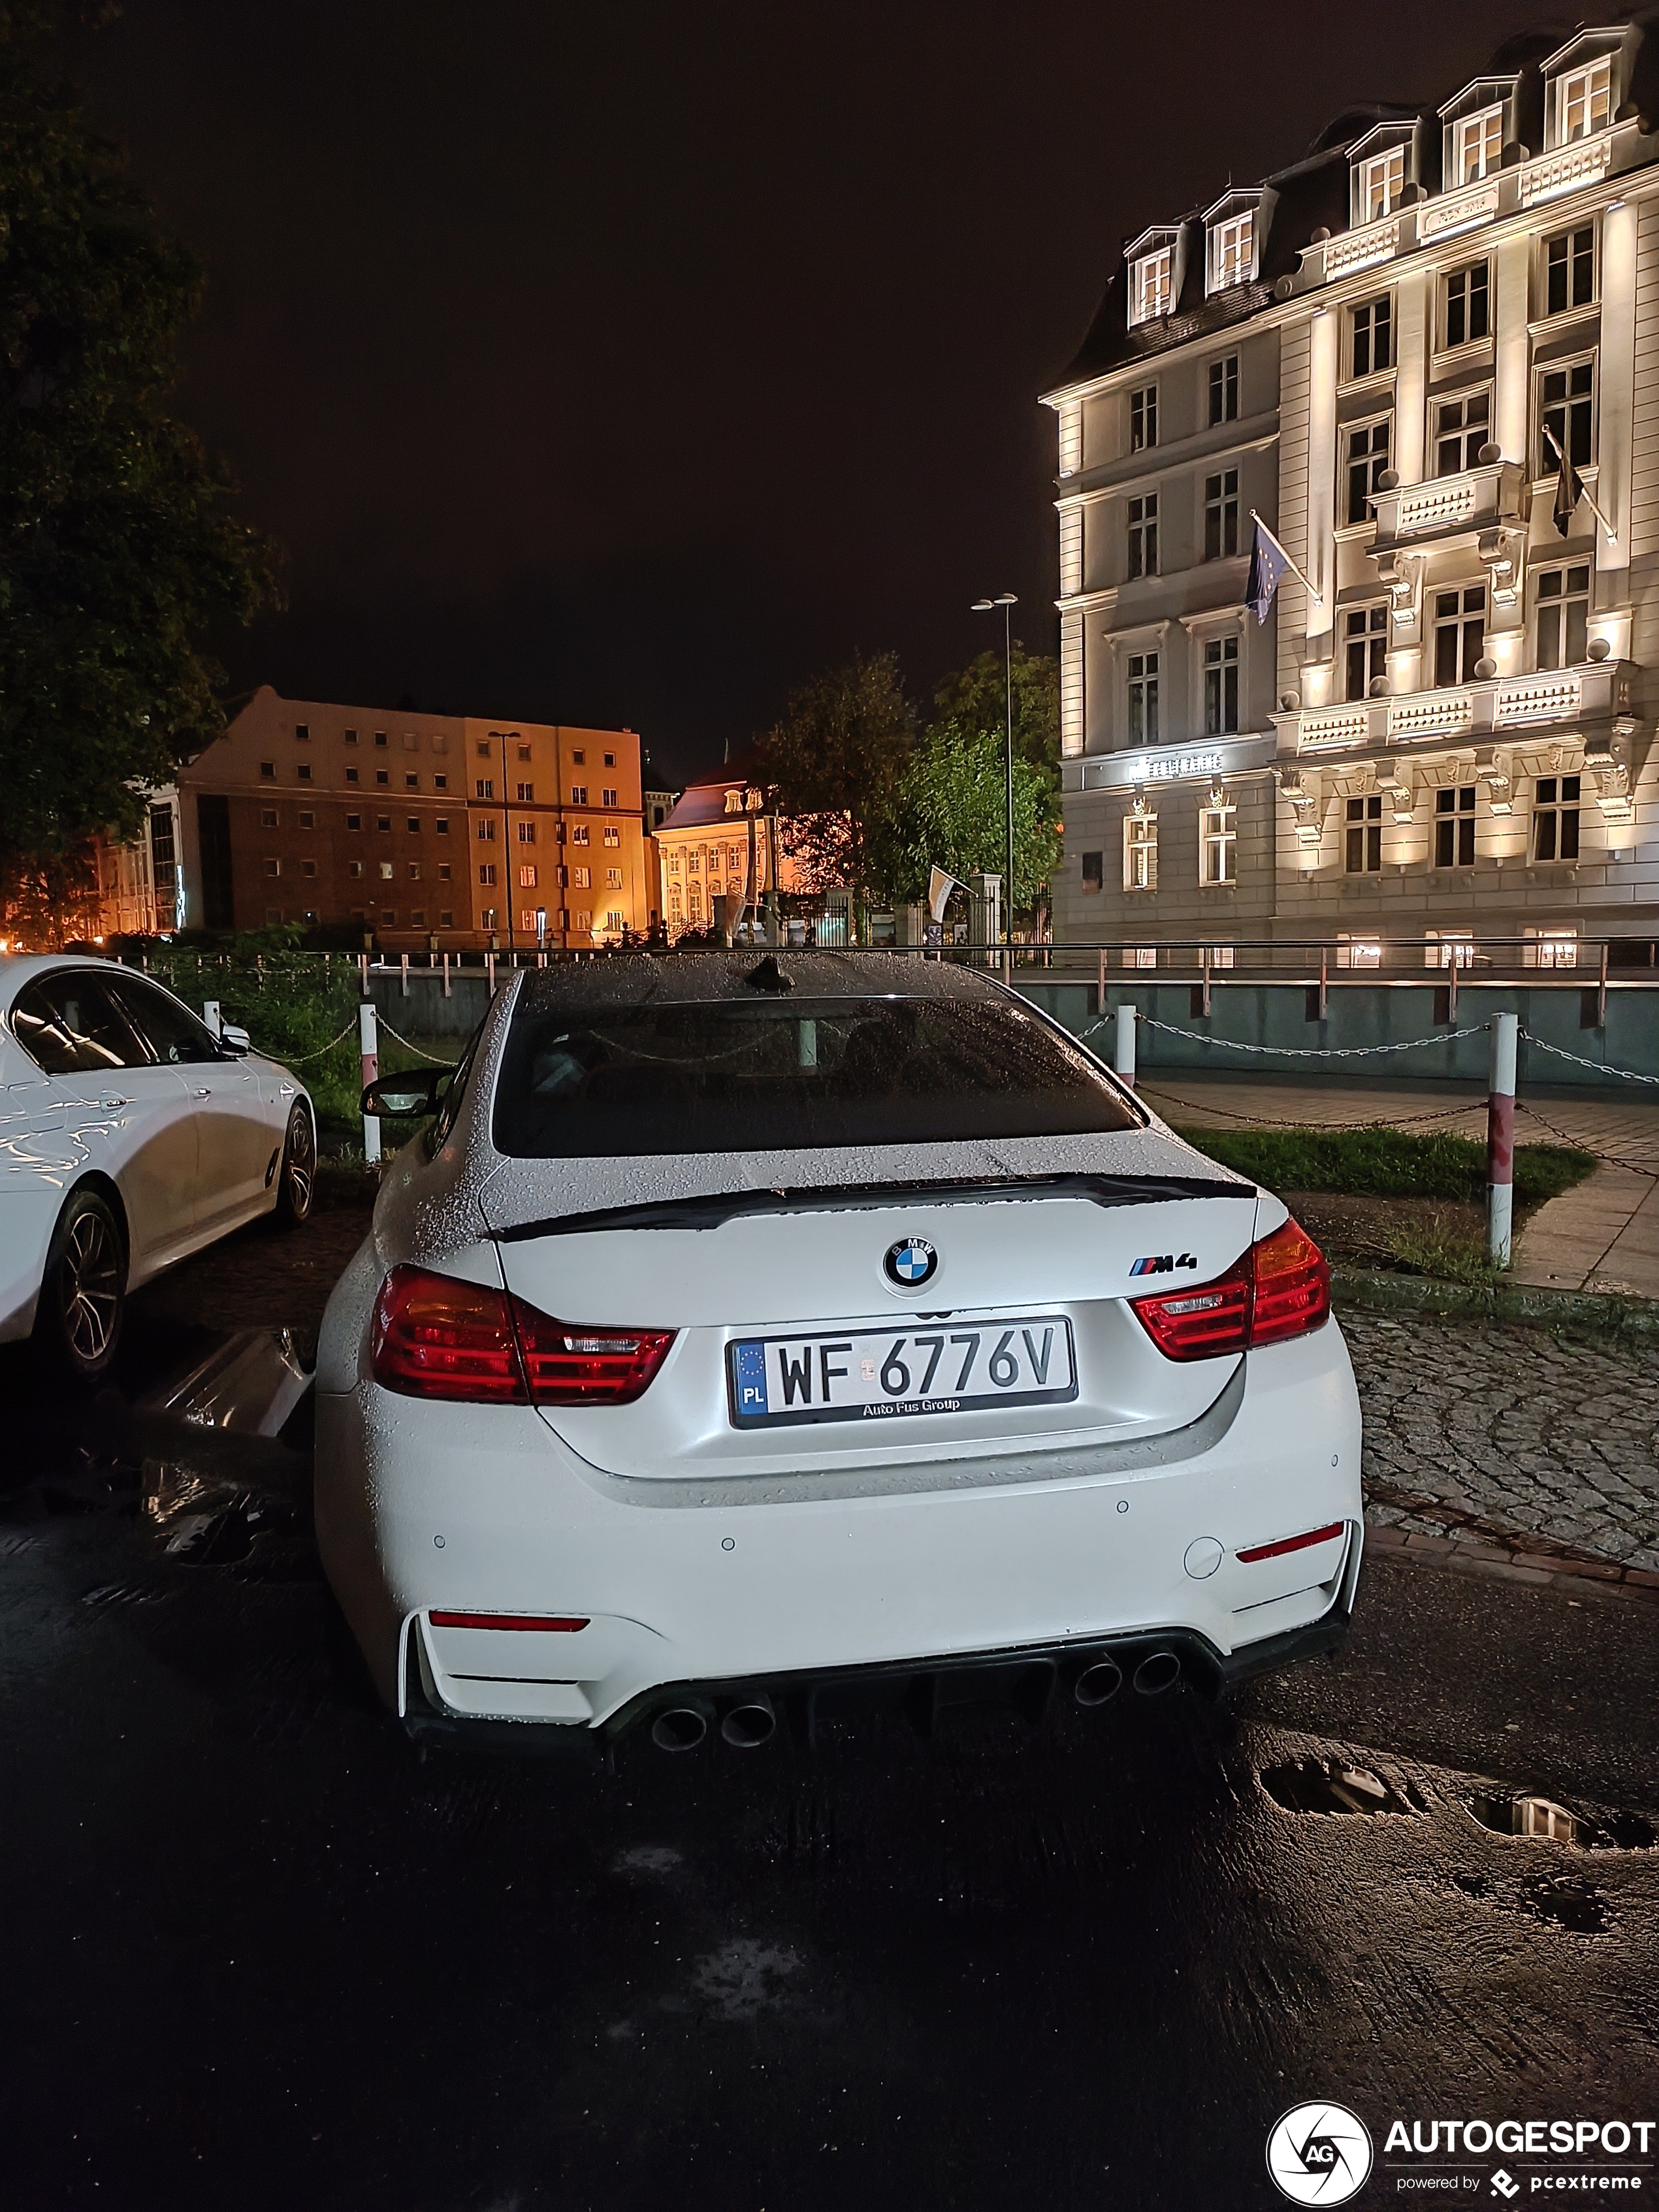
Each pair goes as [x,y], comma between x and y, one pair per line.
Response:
[1159,1671]
[1097,1685]
[681,1727]
[750,1723]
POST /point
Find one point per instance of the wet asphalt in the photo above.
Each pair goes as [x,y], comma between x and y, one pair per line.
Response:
[260,1951]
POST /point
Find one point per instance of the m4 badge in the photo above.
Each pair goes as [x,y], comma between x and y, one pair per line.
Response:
[1163,1263]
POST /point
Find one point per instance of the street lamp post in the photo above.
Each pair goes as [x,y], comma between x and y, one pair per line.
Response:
[1007,601]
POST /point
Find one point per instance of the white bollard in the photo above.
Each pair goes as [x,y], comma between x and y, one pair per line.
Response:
[1500,1138]
[1125,1060]
[369,1043]
[446,989]
[405,974]
[210,1015]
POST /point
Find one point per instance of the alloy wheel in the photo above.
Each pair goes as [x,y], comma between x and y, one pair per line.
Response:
[90,1285]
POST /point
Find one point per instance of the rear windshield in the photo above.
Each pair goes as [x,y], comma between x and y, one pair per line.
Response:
[729,1076]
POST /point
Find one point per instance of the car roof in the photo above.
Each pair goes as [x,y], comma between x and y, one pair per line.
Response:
[17,969]
[750,974]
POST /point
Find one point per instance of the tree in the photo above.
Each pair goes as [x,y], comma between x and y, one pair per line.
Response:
[118,556]
[950,811]
[834,761]
[975,698]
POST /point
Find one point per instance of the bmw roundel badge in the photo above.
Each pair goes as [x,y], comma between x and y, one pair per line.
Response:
[910,1263]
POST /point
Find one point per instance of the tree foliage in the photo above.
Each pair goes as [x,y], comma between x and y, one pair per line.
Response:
[975,698]
[950,809]
[835,760]
[118,555]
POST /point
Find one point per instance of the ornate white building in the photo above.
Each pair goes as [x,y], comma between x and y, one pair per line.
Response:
[1442,730]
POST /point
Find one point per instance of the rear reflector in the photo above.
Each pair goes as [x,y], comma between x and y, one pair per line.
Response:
[437,1337]
[544,1624]
[1280,1288]
[1288,1544]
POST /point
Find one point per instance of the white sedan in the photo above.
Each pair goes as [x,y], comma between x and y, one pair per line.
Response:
[744,1337]
[130,1135]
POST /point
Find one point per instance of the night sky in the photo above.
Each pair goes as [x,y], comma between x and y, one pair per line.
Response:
[623,364]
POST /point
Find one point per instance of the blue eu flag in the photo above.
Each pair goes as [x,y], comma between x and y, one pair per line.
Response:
[1267,568]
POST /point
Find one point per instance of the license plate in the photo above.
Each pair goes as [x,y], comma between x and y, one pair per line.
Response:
[875,1375]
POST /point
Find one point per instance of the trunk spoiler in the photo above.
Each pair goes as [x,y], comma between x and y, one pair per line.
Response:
[717,1208]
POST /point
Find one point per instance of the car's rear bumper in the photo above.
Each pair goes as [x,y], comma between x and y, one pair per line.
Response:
[1032,1682]
[424,1508]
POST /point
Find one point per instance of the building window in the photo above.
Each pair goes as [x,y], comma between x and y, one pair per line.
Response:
[413,823]
[446,918]
[353,867]
[1448,948]
[1363,851]
[607,798]
[268,818]
[1143,699]
[485,787]
[308,867]
[389,916]
[440,783]
[1382,180]
[352,776]
[1224,389]
[387,870]
[1367,631]
[1570,270]
[1232,252]
[411,783]
[308,821]
[1555,817]
[1460,634]
[382,775]
[482,746]
[445,871]
[1143,535]
[1461,427]
[1094,872]
[1467,304]
[1150,281]
[1568,401]
[1454,827]
[526,833]
[582,877]
[273,868]
[524,750]
[268,770]
[379,737]
[1563,616]
[383,822]
[1220,686]
[1217,840]
[1479,145]
[1372,335]
[351,737]
[526,794]
[1141,956]
[1552,948]
[1221,515]
[441,825]
[414,872]
[486,829]
[486,871]
[1143,418]
[613,879]
[578,794]
[673,864]
[1585,100]
[526,879]
[578,833]
[1140,853]
[303,771]
[1368,456]
[417,917]
[354,822]
[612,834]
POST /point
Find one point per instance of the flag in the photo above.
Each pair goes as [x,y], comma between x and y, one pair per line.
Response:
[1269,564]
[939,888]
[1568,487]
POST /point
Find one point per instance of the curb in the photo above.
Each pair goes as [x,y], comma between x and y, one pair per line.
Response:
[1540,1571]
[1601,1311]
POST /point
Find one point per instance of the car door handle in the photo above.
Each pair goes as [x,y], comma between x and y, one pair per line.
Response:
[201,1094]
[110,1103]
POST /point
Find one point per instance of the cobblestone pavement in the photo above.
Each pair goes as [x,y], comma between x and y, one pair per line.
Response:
[1508,1432]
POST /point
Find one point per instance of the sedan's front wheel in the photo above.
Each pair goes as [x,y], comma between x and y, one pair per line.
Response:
[296,1179]
[83,1291]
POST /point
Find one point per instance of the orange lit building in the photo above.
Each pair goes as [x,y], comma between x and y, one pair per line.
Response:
[720,841]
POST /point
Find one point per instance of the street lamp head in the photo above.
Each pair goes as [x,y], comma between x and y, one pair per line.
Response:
[1006,599]
[981,606]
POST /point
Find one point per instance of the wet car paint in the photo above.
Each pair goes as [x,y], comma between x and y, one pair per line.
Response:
[268,1952]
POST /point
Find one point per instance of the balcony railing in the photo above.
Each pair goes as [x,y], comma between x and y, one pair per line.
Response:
[1489,705]
[1444,507]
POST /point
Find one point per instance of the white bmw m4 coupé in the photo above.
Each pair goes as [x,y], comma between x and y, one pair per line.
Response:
[750,1339]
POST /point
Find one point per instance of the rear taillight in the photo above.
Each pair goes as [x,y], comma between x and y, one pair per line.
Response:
[1280,1289]
[437,1337]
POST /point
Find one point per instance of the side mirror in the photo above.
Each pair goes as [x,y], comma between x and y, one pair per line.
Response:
[407,1098]
[234,1040]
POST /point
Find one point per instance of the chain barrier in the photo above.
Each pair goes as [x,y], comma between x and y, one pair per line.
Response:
[1578,1144]
[1273,1121]
[1311,1052]
[300,1060]
[1600,1067]
[432,1058]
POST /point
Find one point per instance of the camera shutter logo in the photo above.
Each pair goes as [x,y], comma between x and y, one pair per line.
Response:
[1320,2154]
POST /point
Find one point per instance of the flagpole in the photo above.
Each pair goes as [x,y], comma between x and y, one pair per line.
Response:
[1273,538]
[1583,491]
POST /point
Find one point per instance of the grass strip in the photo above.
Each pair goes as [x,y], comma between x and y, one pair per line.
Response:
[1377,1162]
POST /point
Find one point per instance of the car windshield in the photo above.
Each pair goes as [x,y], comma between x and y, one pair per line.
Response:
[731,1076]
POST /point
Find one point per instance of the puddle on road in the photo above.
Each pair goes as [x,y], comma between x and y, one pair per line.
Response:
[1544,1820]
[1567,1900]
[1329,1785]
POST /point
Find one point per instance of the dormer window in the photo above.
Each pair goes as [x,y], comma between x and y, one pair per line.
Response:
[1150,284]
[1382,180]
[1477,145]
[1584,100]
[1232,250]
